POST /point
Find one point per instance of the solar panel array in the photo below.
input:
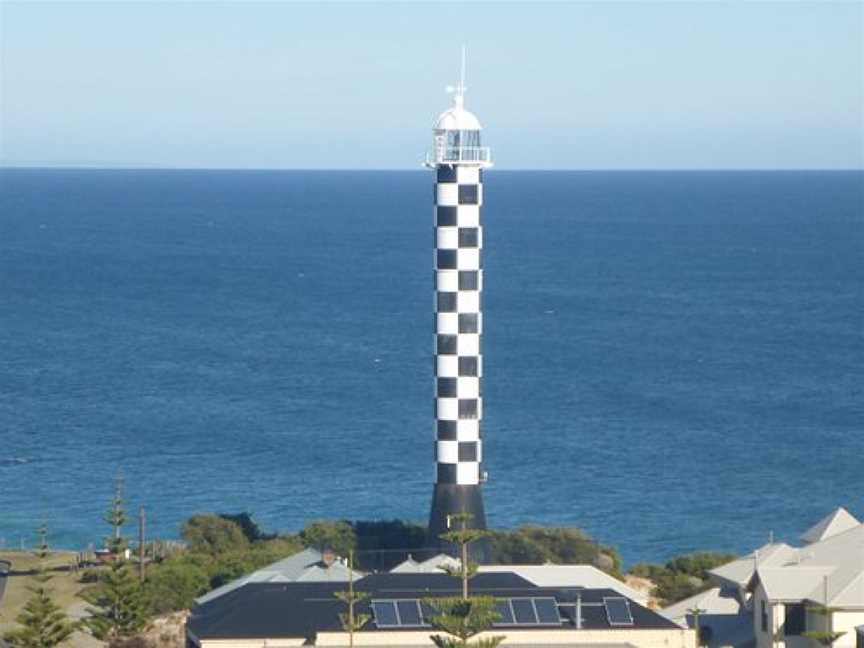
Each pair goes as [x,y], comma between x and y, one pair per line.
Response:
[529,611]
[535,611]
[413,613]
[405,613]
[618,611]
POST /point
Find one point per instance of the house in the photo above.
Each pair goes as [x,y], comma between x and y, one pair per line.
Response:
[550,575]
[772,597]
[723,620]
[256,614]
[307,566]
[827,571]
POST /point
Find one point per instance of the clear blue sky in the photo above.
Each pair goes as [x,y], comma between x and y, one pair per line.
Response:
[579,85]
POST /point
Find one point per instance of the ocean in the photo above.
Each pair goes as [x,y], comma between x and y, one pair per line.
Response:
[673,360]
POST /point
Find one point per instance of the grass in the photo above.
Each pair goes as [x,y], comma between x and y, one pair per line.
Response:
[65,583]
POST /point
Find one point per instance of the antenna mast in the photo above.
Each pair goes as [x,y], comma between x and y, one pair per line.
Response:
[462,75]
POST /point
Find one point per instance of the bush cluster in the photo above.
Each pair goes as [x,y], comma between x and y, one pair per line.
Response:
[683,576]
[221,548]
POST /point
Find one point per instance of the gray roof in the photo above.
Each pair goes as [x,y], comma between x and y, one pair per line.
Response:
[550,575]
[433,565]
[712,601]
[835,551]
[840,558]
[309,610]
[304,566]
[730,622]
[740,571]
[838,521]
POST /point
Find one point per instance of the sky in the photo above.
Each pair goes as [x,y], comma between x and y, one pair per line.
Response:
[579,85]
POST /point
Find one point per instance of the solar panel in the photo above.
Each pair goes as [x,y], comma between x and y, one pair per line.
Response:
[385,614]
[523,610]
[427,612]
[503,608]
[618,611]
[547,611]
[409,613]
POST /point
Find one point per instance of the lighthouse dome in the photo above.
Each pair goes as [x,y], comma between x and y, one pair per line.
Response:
[457,118]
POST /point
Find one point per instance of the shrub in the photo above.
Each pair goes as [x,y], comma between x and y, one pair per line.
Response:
[212,534]
[532,545]
[173,585]
[324,534]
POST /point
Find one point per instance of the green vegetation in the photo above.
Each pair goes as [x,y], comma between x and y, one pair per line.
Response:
[533,545]
[352,621]
[683,576]
[119,609]
[324,534]
[828,636]
[213,534]
[218,551]
[218,548]
[65,584]
[43,623]
[462,618]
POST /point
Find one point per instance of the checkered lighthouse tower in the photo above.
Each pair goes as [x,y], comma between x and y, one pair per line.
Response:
[458,160]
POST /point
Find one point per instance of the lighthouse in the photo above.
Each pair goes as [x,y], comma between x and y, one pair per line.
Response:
[458,159]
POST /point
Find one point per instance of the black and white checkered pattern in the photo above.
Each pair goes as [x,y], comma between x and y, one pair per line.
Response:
[458,323]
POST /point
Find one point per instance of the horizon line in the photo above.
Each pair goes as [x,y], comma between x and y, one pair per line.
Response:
[145,167]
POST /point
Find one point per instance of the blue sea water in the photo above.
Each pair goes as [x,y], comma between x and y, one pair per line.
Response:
[673,360]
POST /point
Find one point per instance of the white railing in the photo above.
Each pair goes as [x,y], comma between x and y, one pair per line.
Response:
[460,154]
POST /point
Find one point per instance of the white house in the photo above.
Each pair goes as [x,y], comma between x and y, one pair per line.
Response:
[778,589]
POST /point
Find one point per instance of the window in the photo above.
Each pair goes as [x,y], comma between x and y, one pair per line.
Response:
[764,616]
[796,619]
[463,138]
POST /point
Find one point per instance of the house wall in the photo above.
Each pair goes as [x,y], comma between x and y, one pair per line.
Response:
[250,643]
[642,638]
[765,638]
[847,622]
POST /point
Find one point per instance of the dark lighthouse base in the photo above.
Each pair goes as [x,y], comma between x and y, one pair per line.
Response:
[451,499]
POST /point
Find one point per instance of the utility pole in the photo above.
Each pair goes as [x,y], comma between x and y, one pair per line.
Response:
[351,596]
[141,520]
[696,611]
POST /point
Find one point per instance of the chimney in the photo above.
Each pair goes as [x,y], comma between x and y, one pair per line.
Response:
[328,557]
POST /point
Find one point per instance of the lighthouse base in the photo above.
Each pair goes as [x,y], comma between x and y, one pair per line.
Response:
[451,499]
